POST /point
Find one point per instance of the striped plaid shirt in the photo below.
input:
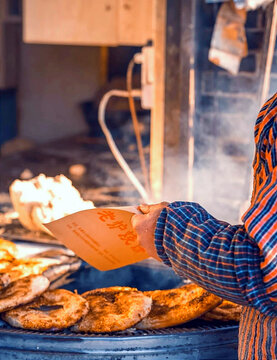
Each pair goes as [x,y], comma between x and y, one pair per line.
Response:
[236,262]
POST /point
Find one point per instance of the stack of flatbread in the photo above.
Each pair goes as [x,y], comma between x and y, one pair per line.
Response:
[53,264]
[29,299]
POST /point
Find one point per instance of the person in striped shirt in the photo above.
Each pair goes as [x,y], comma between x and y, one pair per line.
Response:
[236,262]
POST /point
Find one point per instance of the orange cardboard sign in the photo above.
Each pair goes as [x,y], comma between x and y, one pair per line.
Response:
[103,237]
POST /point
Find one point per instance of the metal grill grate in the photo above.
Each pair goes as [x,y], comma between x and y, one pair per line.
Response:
[196,340]
[193,326]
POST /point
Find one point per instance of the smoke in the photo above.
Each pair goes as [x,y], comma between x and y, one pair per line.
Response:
[222,170]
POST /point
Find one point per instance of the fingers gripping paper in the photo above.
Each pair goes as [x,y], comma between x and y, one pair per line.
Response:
[102,237]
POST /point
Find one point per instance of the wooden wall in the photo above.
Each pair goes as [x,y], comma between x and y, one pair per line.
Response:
[87,22]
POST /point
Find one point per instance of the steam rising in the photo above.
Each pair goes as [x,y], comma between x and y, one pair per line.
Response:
[222,172]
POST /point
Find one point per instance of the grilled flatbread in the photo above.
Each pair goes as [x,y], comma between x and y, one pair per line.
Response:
[5,255]
[3,265]
[113,309]
[63,256]
[53,310]
[50,263]
[5,258]
[22,291]
[8,253]
[226,311]
[24,267]
[67,263]
[8,246]
[55,272]
[177,306]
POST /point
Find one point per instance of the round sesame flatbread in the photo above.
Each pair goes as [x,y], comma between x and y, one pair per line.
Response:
[113,309]
[53,310]
[22,291]
[177,306]
[226,311]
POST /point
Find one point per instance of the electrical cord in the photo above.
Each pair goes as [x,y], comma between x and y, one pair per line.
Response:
[136,125]
[114,149]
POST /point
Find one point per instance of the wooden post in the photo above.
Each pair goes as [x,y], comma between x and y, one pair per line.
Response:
[157,114]
[172,143]
[179,100]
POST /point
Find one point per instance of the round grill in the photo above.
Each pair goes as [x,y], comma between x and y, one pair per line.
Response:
[196,340]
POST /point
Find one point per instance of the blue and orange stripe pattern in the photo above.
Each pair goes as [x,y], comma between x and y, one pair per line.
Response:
[257,336]
[236,262]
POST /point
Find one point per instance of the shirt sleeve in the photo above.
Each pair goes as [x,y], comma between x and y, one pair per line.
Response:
[222,258]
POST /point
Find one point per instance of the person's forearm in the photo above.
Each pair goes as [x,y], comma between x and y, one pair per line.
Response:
[220,257]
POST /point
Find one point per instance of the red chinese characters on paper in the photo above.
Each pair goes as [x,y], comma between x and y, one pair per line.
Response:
[138,249]
[129,237]
[118,225]
[106,215]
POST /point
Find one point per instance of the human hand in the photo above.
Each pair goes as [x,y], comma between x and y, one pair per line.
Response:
[144,224]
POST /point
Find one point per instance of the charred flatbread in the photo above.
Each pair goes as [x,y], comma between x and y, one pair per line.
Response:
[22,291]
[53,310]
[113,309]
[177,306]
[226,311]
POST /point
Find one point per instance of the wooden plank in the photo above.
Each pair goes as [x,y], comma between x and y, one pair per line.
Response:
[87,22]
[135,22]
[157,114]
[76,22]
